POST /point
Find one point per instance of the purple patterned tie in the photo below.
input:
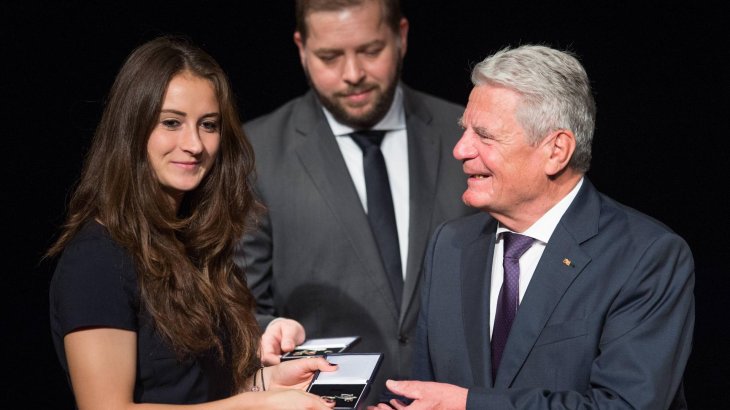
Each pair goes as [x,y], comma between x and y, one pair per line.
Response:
[507,303]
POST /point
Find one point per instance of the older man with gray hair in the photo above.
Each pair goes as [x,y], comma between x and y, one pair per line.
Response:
[555,296]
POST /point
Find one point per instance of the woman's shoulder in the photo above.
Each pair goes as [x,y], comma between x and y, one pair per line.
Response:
[94,241]
[94,283]
[92,231]
[93,255]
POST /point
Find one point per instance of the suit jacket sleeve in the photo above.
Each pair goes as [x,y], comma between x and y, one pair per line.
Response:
[422,369]
[644,346]
[255,251]
[254,256]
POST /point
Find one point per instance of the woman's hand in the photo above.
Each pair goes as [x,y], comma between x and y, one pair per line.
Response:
[280,399]
[295,374]
[282,335]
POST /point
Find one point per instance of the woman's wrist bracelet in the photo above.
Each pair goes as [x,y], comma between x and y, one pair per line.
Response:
[256,388]
[263,385]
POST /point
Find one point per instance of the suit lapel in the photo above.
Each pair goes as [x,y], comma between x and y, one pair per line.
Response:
[476,264]
[423,166]
[551,279]
[561,262]
[322,160]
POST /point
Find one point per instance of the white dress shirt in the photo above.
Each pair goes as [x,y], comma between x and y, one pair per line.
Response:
[395,151]
[541,231]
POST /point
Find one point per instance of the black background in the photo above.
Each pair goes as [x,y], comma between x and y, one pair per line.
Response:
[660,144]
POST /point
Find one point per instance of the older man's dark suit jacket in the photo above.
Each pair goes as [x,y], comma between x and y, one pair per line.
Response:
[314,258]
[606,321]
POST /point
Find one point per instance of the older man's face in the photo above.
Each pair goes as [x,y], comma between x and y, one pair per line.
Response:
[505,173]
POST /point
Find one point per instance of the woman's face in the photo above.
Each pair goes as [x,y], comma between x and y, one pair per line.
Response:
[183,145]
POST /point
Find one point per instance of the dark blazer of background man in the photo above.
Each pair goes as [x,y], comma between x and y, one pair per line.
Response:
[606,319]
[313,258]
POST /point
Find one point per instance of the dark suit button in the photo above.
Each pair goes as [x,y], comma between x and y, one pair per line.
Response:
[403,340]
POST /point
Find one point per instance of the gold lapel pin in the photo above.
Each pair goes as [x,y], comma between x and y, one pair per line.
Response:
[568,262]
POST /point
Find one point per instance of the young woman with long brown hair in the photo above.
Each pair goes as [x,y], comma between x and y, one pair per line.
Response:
[146,303]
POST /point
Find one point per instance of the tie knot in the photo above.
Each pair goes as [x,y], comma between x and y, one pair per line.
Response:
[515,244]
[368,138]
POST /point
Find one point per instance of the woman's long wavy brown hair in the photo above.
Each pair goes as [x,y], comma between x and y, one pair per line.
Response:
[187,279]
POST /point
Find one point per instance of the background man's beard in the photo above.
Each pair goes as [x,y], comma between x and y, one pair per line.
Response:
[367,119]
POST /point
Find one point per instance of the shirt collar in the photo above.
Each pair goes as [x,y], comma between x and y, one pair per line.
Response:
[543,228]
[394,119]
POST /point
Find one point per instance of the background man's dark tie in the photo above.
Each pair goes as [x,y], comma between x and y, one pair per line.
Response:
[380,207]
[514,246]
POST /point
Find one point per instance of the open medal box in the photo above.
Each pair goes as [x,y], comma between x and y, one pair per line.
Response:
[320,347]
[349,385]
